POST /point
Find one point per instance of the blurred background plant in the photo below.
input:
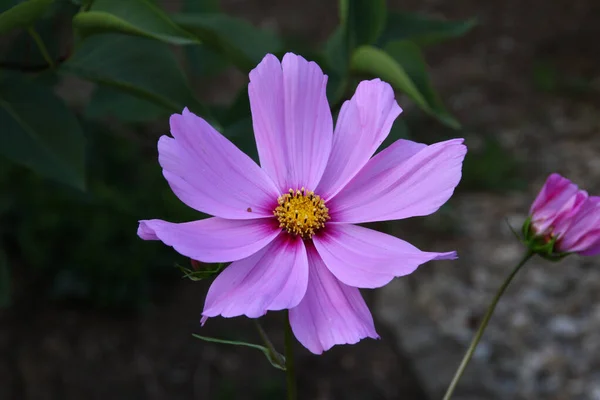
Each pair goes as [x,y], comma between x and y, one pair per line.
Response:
[80,165]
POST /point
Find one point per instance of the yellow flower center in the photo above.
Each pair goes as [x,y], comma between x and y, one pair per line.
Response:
[301,213]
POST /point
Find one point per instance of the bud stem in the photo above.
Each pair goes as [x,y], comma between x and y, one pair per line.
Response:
[41,46]
[483,325]
[290,374]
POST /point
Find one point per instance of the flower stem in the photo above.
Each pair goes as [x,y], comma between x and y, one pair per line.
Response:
[276,357]
[40,44]
[86,5]
[483,325]
[289,360]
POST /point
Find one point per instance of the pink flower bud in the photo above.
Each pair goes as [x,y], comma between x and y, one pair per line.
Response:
[567,217]
[582,234]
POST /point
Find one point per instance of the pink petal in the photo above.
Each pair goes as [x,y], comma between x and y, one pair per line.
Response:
[405,180]
[583,234]
[208,173]
[556,199]
[331,312]
[365,258]
[559,223]
[588,244]
[292,121]
[274,278]
[593,248]
[362,125]
[212,239]
[554,186]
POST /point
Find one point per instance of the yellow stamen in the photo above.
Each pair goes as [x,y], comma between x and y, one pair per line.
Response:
[301,213]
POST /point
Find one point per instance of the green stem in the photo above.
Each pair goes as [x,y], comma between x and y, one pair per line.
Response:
[40,44]
[483,325]
[289,360]
[269,345]
[86,6]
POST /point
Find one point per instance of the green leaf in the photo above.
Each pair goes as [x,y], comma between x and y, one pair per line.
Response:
[7,4]
[402,65]
[277,360]
[110,102]
[204,6]
[201,274]
[23,53]
[335,54]
[373,61]
[40,132]
[235,39]
[423,30]
[241,134]
[23,14]
[86,3]
[399,131]
[204,62]
[4,281]
[131,17]
[410,57]
[362,21]
[338,62]
[236,122]
[138,66]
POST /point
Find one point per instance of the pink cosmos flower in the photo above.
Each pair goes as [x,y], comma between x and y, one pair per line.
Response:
[288,225]
[563,212]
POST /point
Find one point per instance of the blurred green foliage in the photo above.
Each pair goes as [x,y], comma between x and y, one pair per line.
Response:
[131,17]
[79,233]
[23,15]
[548,77]
[40,132]
[491,168]
[84,243]
[422,30]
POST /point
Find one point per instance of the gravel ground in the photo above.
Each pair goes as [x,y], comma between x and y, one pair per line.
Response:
[544,339]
